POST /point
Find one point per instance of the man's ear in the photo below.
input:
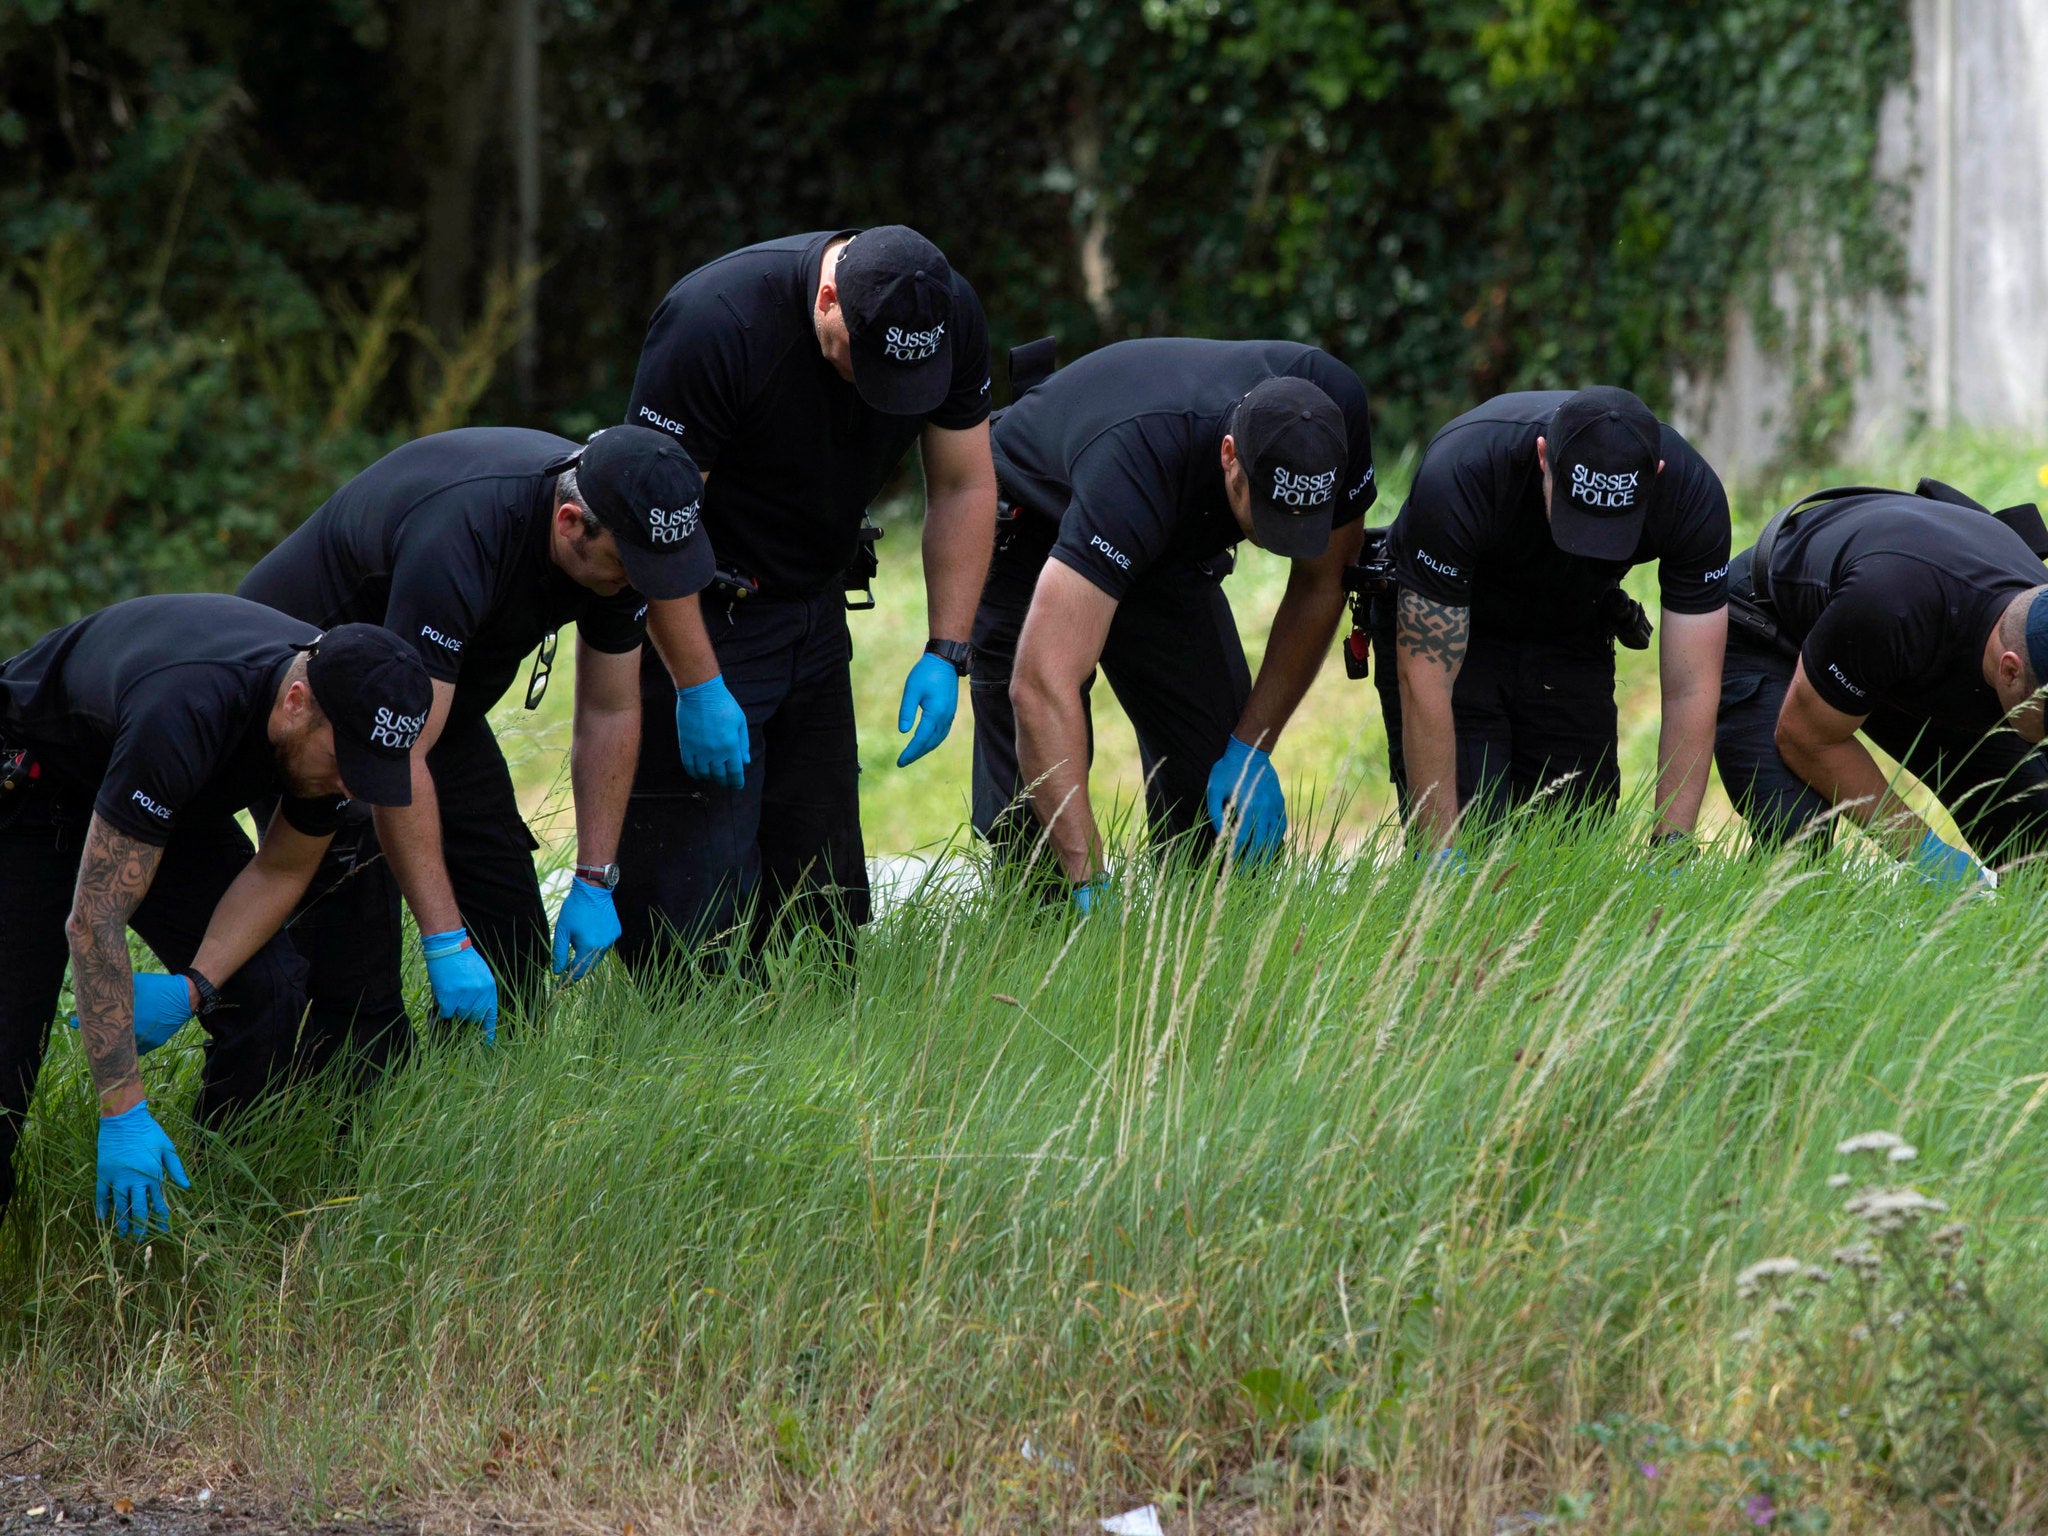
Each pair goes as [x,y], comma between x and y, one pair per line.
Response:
[1229,452]
[828,298]
[1542,456]
[1660,466]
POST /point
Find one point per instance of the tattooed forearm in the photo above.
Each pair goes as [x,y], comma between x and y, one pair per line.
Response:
[112,877]
[1433,632]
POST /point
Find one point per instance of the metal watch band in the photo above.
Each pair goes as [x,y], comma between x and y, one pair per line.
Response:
[957,652]
[209,999]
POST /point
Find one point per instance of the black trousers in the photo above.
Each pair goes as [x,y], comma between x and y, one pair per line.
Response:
[782,852]
[1527,713]
[1992,782]
[250,1037]
[351,930]
[1174,661]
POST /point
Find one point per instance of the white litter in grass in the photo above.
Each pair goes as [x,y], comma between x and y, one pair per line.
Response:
[205,1494]
[895,878]
[1032,1453]
[1135,1522]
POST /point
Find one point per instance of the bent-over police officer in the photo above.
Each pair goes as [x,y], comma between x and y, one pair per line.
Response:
[1129,478]
[1509,553]
[798,373]
[476,546]
[129,740]
[1914,620]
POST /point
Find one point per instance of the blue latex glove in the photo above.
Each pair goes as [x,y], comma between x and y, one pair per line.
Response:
[1445,861]
[135,1159]
[463,985]
[1940,864]
[163,1006]
[711,729]
[588,926]
[931,696]
[1245,775]
[1092,895]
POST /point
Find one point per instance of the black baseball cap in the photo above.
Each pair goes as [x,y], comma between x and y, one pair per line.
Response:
[1603,448]
[897,292]
[644,489]
[374,690]
[1291,441]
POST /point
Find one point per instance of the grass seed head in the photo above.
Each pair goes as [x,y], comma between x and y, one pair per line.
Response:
[1870,1141]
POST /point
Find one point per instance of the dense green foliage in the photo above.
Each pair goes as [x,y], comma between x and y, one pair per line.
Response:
[1328,1192]
[262,228]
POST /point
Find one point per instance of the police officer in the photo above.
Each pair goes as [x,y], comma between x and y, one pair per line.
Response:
[1132,475]
[128,741]
[798,373]
[1509,553]
[1916,620]
[475,546]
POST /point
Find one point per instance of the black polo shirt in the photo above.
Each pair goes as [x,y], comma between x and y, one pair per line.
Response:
[1474,532]
[731,367]
[159,708]
[1892,597]
[1123,449]
[446,541]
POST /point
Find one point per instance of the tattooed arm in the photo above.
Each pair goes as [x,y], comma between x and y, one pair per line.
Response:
[113,875]
[1429,647]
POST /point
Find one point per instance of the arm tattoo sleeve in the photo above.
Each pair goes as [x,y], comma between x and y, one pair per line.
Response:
[112,877]
[1435,632]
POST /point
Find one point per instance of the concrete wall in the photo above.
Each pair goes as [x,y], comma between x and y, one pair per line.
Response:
[1969,346]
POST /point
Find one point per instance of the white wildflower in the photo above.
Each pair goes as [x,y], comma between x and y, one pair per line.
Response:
[1838,1181]
[1902,1154]
[1817,1275]
[1870,1141]
[1782,1307]
[1948,1235]
[1744,1335]
[1753,1278]
[1875,1205]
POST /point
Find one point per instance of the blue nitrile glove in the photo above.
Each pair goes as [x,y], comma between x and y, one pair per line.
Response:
[1245,775]
[711,729]
[1939,864]
[135,1158]
[463,985]
[1092,895]
[163,1006]
[588,926]
[931,696]
[1445,861]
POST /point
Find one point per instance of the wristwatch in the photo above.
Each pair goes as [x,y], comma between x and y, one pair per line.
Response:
[958,652]
[604,876]
[208,998]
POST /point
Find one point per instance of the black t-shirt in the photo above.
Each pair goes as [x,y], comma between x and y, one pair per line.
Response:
[732,369]
[1891,597]
[159,708]
[1122,448]
[445,541]
[1474,533]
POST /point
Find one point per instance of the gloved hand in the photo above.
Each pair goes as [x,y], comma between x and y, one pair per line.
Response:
[1940,864]
[463,985]
[711,729]
[1245,775]
[1445,861]
[931,696]
[163,1006]
[1092,895]
[135,1157]
[588,926]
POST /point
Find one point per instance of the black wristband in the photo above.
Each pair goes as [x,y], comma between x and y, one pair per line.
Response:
[958,652]
[209,999]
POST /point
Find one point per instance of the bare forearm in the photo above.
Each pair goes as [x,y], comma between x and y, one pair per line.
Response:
[1429,647]
[250,911]
[676,630]
[1846,773]
[601,762]
[1303,626]
[1685,749]
[411,839]
[1052,754]
[959,538]
[114,872]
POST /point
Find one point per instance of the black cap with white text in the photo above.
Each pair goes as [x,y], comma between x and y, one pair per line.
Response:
[374,690]
[1603,451]
[1290,440]
[644,488]
[897,294]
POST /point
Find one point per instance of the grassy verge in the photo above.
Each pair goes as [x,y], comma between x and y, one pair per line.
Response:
[1316,1197]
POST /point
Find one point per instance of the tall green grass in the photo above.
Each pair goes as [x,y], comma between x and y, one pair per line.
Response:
[1323,1195]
